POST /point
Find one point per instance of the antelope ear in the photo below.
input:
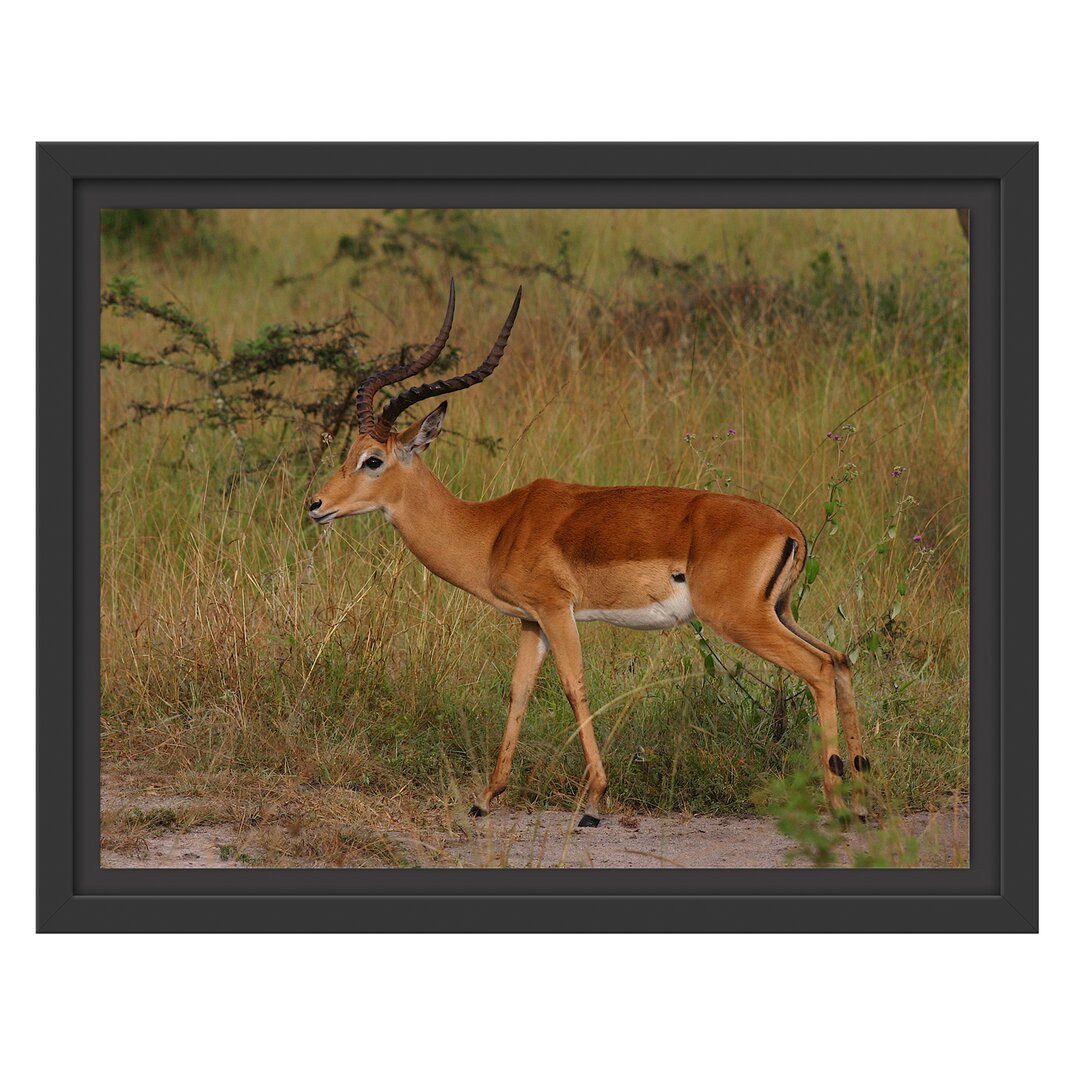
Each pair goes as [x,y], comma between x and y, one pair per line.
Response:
[416,439]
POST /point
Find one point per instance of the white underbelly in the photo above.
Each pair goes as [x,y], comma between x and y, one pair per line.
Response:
[672,611]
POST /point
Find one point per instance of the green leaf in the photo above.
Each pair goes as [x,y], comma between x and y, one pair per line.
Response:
[902,588]
[830,633]
[894,610]
[882,548]
[892,532]
[841,612]
[831,508]
[813,567]
[707,658]
[873,642]
[853,655]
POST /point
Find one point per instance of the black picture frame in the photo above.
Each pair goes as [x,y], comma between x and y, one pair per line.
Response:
[998,182]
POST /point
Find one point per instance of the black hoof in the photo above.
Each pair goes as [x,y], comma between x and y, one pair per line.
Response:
[475,811]
[588,822]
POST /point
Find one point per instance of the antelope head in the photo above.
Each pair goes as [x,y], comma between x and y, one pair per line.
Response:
[380,460]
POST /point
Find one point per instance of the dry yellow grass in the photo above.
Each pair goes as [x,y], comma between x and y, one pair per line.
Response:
[242,649]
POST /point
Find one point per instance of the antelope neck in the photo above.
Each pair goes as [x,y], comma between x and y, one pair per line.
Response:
[447,534]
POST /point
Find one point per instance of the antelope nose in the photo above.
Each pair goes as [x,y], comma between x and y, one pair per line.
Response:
[315,505]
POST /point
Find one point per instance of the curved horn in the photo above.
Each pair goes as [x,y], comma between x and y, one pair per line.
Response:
[403,401]
[365,395]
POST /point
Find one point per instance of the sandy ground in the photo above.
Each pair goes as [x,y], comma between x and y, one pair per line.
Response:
[549,838]
[531,839]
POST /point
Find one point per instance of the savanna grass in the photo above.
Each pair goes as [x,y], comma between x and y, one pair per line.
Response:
[814,360]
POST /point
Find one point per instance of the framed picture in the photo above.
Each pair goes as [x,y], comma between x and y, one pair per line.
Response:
[771,403]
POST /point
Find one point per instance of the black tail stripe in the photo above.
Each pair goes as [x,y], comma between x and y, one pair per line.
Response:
[789,549]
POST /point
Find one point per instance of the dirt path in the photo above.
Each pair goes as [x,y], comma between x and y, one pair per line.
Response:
[505,839]
[548,838]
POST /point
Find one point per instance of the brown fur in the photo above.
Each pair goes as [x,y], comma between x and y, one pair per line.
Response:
[549,549]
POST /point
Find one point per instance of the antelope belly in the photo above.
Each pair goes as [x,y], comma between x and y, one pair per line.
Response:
[659,615]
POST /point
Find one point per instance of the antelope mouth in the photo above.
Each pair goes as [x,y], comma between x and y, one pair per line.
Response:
[322,519]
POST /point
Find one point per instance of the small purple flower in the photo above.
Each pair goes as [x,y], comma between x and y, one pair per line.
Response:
[917,538]
[731,433]
[899,470]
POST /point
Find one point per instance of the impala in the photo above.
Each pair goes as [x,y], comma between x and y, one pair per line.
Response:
[555,554]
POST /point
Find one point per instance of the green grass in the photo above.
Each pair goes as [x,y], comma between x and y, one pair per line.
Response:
[242,646]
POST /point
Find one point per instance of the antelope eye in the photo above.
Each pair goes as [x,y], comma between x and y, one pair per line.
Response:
[372,462]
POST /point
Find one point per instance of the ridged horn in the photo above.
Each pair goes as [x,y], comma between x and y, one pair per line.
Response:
[385,422]
[365,396]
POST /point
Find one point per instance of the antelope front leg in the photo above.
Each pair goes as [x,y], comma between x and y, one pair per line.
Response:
[562,632]
[532,648]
